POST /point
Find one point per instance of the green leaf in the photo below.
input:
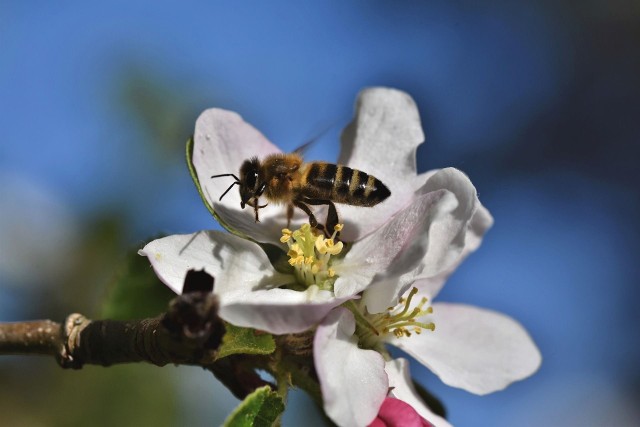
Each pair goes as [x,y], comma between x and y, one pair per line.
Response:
[260,409]
[245,341]
[135,292]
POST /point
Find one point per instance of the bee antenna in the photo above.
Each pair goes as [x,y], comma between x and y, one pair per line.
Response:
[226,174]
[227,190]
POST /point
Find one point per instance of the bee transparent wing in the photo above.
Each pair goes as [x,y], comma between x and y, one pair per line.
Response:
[301,150]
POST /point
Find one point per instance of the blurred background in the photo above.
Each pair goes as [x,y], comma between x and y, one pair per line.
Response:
[538,102]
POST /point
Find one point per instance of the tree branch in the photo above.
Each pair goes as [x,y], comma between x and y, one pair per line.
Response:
[188,333]
[37,337]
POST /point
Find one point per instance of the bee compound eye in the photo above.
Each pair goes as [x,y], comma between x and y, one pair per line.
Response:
[250,179]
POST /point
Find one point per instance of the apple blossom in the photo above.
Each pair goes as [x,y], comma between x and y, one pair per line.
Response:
[420,229]
[414,239]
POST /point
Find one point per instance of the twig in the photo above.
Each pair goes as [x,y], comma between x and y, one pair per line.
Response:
[188,333]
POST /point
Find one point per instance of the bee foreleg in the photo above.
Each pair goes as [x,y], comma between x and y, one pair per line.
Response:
[255,210]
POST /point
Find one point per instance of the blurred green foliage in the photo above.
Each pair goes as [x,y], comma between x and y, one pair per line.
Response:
[163,109]
[136,292]
[106,279]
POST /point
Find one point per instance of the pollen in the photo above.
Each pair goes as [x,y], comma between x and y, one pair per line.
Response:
[311,255]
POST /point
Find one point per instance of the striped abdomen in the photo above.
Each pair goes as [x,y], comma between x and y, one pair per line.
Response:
[341,184]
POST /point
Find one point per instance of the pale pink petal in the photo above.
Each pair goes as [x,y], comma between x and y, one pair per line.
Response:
[479,224]
[392,243]
[436,249]
[475,349]
[222,142]
[381,141]
[352,380]
[402,388]
[235,263]
[396,413]
[278,311]
[245,281]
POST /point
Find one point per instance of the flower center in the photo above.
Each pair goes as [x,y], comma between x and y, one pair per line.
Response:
[310,255]
[399,321]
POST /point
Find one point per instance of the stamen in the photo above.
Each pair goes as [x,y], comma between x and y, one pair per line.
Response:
[310,254]
[401,320]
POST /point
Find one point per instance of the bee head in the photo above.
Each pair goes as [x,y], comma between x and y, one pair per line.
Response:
[252,184]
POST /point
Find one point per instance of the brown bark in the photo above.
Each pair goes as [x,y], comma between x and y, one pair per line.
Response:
[188,333]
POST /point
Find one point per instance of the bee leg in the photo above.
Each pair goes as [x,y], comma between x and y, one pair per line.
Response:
[312,219]
[255,210]
[289,214]
[332,219]
[332,215]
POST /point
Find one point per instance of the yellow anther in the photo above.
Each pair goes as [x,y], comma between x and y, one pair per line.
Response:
[321,245]
[403,320]
[310,254]
[299,260]
[334,248]
[338,227]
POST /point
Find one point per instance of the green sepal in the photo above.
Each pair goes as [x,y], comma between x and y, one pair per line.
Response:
[259,409]
[196,181]
[245,341]
[135,292]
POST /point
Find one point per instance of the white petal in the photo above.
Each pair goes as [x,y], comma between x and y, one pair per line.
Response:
[235,263]
[222,142]
[392,243]
[381,141]
[402,388]
[437,249]
[245,281]
[475,349]
[352,380]
[279,311]
[479,224]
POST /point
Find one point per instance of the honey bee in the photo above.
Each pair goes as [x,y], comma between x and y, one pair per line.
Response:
[287,179]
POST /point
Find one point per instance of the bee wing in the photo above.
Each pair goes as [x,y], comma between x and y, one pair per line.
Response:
[304,147]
